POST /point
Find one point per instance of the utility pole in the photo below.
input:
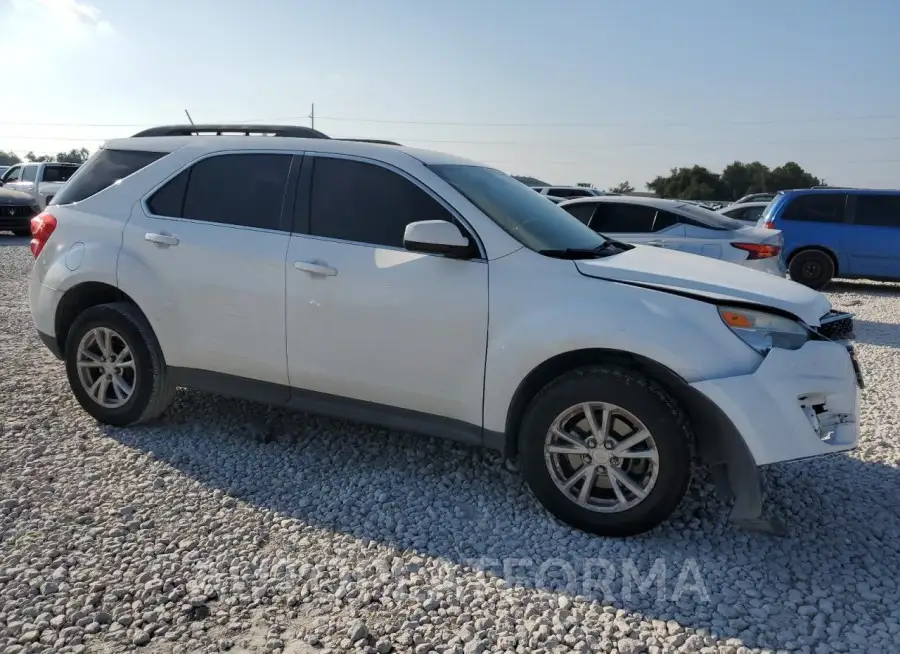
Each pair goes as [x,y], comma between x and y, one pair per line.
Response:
[189,116]
[312,116]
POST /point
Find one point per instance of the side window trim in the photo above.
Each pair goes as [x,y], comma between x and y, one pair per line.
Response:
[304,200]
[284,221]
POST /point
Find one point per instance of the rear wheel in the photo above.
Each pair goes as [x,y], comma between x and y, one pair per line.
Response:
[813,268]
[606,450]
[115,366]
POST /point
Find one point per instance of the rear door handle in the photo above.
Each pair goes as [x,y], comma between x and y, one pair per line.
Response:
[316,268]
[161,239]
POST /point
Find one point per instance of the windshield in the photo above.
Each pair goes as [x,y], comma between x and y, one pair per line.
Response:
[523,214]
[709,218]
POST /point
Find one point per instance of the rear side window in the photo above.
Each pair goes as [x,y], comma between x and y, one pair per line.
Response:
[366,203]
[233,189]
[103,170]
[623,218]
[583,211]
[816,208]
[58,173]
[878,210]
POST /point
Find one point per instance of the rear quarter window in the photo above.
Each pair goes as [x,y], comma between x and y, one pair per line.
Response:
[103,170]
[816,208]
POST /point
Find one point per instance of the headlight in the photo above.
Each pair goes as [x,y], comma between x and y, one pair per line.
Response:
[762,331]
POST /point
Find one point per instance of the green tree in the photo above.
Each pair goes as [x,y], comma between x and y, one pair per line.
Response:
[9,158]
[736,180]
[75,155]
[623,189]
[694,183]
[530,181]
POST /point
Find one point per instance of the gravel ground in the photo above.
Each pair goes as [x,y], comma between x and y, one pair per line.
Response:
[232,526]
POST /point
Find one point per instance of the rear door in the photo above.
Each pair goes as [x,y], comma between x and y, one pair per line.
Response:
[816,219]
[638,224]
[207,251]
[873,242]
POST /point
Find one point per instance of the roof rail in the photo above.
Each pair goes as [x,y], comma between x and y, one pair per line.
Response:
[379,141]
[835,187]
[294,131]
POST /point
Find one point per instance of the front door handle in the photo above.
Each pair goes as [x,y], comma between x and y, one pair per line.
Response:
[161,239]
[316,268]
[659,244]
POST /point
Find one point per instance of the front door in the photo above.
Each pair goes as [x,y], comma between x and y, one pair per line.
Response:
[403,334]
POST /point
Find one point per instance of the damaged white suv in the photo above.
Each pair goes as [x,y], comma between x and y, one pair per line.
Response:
[433,294]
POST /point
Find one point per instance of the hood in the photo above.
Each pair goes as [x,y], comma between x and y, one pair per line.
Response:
[708,278]
[15,198]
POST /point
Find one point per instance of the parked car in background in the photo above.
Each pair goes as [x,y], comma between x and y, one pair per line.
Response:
[569,191]
[3,169]
[748,212]
[16,211]
[601,367]
[40,180]
[755,197]
[833,232]
[680,225]
[554,199]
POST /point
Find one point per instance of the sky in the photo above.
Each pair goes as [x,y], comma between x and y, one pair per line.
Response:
[596,91]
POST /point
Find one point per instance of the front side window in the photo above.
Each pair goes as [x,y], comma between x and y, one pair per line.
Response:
[367,203]
[816,207]
[244,190]
[14,174]
[521,213]
[878,210]
[29,173]
[58,172]
[103,170]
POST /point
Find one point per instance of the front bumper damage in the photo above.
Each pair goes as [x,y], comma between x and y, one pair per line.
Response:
[798,404]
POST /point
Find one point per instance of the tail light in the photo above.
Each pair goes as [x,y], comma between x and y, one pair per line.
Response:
[42,226]
[758,250]
[769,223]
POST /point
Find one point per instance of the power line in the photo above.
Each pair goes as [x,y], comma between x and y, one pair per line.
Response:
[581,142]
[771,121]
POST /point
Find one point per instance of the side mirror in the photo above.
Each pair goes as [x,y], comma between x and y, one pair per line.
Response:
[437,237]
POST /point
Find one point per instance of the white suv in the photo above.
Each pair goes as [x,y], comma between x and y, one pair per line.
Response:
[433,294]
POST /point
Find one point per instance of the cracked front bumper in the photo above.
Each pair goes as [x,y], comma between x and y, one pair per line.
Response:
[797,404]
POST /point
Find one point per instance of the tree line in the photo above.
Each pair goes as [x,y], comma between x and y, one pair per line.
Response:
[700,183]
[75,155]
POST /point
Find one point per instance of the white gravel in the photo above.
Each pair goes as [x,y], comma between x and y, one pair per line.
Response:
[234,526]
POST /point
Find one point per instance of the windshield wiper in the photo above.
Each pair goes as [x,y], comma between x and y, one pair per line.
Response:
[606,249]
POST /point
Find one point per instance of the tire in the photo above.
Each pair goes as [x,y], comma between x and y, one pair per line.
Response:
[813,268]
[153,389]
[636,397]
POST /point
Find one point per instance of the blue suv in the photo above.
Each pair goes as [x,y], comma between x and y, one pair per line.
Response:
[837,232]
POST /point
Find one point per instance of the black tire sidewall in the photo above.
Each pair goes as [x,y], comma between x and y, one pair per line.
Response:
[104,316]
[646,403]
[817,256]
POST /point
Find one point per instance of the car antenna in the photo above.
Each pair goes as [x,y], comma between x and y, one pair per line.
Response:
[189,116]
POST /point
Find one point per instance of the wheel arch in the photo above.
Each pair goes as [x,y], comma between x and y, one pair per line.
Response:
[717,441]
[78,299]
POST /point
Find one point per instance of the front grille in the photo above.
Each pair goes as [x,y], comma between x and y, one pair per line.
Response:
[16,211]
[837,325]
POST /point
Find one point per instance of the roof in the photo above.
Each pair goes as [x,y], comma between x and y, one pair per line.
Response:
[214,143]
[658,203]
[841,190]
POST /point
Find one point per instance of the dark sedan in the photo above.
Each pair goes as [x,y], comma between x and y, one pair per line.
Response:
[16,211]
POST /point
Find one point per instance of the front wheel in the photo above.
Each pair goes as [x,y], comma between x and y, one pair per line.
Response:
[115,366]
[606,450]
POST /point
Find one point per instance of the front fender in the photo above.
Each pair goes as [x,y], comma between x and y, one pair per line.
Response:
[560,311]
